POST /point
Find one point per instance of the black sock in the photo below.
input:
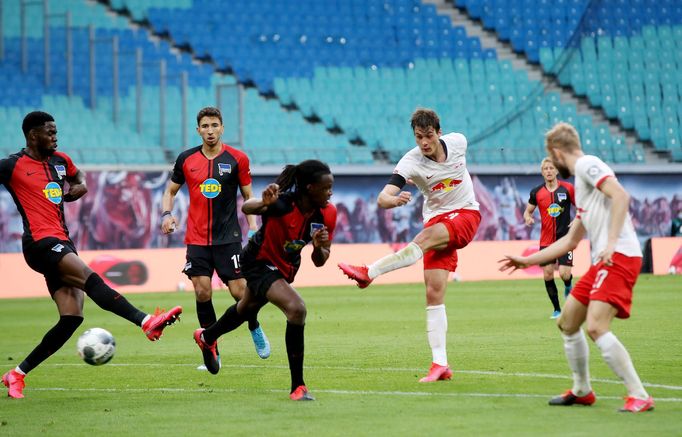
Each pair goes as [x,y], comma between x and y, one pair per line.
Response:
[553,294]
[567,282]
[253,322]
[294,341]
[52,341]
[206,313]
[229,321]
[109,299]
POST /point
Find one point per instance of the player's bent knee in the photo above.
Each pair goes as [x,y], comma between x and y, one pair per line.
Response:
[596,331]
[565,327]
[296,312]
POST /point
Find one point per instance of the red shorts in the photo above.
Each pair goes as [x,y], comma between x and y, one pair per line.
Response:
[462,225]
[612,285]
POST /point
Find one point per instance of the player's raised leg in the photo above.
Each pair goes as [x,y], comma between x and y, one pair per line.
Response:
[76,273]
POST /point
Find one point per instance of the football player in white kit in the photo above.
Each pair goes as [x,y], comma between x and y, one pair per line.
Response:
[437,166]
[605,291]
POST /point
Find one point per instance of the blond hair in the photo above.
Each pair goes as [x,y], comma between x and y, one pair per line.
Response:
[547,160]
[562,136]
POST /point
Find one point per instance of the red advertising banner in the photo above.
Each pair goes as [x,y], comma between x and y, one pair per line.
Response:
[667,255]
[149,270]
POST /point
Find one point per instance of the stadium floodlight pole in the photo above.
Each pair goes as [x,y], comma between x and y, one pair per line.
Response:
[91,47]
[114,97]
[162,103]
[183,93]
[22,23]
[92,41]
[69,49]
[240,106]
[2,36]
[138,88]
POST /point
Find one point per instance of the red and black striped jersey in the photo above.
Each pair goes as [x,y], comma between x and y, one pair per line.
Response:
[37,188]
[555,210]
[212,186]
[284,233]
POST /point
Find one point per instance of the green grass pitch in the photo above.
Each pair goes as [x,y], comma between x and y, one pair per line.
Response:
[365,351]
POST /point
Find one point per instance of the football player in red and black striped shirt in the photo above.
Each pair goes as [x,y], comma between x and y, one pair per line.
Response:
[36,178]
[553,198]
[295,211]
[213,172]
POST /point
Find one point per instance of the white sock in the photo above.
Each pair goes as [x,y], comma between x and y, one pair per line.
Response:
[618,359]
[18,370]
[436,328]
[578,356]
[147,317]
[406,256]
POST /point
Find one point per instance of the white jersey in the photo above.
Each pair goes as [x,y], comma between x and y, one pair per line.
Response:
[594,209]
[446,186]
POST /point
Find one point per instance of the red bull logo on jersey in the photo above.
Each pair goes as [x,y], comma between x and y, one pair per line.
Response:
[554,210]
[210,188]
[53,193]
[294,246]
[445,185]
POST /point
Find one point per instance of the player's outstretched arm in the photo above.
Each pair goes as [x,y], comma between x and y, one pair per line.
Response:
[391,197]
[77,187]
[258,206]
[560,247]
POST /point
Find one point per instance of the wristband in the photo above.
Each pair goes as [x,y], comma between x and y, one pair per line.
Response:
[164,214]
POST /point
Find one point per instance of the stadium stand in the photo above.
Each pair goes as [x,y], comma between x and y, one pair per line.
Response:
[624,55]
[268,125]
[360,67]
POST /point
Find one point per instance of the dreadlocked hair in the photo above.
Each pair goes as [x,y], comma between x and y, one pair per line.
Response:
[300,175]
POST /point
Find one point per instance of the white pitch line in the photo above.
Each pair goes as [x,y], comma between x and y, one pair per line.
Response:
[378,369]
[328,391]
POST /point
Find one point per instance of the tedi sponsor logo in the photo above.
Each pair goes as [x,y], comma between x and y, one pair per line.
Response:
[210,188]
[53,193]
[554,210]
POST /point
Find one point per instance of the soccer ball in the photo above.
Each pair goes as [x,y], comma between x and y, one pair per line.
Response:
[96,346]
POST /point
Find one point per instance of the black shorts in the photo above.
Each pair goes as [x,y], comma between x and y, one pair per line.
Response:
[223,258]
[565,260]
[260,276]
[44,255]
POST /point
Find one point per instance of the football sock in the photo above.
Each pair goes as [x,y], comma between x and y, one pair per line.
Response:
[578,356]
[436,329]
[108,299]
[52,341]
[567,282]
[253,320]
[253,323]
[294,341]
[553,294]
[406,256]
[206,313]
[229,321]
[618,359]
